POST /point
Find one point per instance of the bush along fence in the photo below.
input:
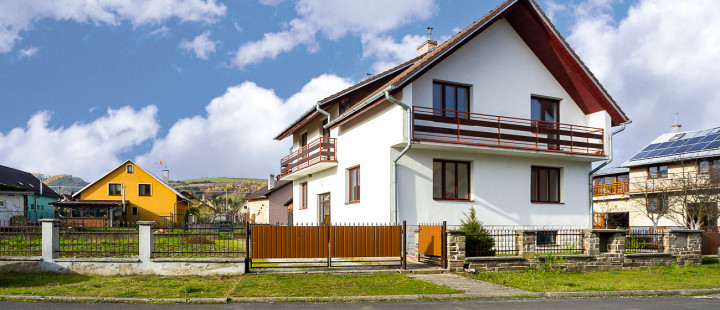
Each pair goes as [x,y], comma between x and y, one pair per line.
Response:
[496,249]
[137,249]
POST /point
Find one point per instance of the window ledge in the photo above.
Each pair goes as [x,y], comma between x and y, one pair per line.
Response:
[451,200]
[546,203]
[352,202]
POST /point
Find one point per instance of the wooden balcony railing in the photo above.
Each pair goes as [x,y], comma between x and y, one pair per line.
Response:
[319,150]
[617,188]
[448,126]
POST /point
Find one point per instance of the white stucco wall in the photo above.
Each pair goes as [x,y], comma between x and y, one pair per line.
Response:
[12,206]
[259,211]
[500,190]
[503,72]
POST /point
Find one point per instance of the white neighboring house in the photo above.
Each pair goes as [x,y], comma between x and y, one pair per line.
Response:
[503,116]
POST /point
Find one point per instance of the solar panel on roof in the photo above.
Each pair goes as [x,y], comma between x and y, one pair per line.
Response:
[678,143]
[712,145]
[650,147]
[665,144]
[698,146]
[710,137]
[667,151]
[653,153]
[639,155]
[693,140]
[683,148]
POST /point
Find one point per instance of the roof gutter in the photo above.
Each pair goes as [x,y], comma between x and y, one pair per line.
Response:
[605,163]
[394,211]
[358,107]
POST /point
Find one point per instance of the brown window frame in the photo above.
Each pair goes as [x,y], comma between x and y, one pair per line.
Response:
[111,193]
[443,176]
[659,175]
[444,104]
[303,196]
[353,193]
[661,204]
[344,105]
[534,173]
[149,194]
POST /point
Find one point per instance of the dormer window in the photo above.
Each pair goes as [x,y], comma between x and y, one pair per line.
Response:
[129,168]
[677,136]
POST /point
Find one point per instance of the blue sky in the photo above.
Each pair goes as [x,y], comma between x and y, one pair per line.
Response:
[149,83]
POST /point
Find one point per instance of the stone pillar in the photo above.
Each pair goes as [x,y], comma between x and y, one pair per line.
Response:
[417,245]
[455,250]
[50,239]
[591,242]
[685,246]
[526,244]
[146,240]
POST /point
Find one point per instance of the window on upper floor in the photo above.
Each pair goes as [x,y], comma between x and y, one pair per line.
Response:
[451,98]
[303,196]
[344,105]
[353,184]
[129,168]
[303,139]
[451,180]
[544,184]
[144,189]
[114,189]
[657,171]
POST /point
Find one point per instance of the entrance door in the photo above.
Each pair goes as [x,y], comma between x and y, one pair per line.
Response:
[324,207]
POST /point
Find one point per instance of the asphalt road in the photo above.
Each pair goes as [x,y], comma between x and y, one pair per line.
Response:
[654,303]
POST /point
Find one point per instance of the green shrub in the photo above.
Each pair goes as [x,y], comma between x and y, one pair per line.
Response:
[477,239]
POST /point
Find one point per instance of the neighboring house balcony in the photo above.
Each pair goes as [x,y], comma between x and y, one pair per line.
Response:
[701,183]
[316,156]
[465,128]
[611,189]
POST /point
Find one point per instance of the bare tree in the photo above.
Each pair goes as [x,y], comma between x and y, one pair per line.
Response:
[651,197]
[694,195]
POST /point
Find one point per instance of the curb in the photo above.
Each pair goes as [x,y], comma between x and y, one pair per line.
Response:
[680,292]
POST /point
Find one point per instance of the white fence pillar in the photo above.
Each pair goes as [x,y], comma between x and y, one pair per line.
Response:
[50,239]
[146,240]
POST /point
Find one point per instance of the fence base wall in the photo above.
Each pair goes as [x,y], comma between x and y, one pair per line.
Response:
[127,266]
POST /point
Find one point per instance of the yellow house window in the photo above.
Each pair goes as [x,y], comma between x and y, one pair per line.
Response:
[114,189]
[144,189]
[134,210]
[129,168]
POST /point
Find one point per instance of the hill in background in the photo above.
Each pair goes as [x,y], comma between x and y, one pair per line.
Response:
[62,183]
[222,193]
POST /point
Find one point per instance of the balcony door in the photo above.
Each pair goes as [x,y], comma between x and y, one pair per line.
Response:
[451,100]
[547,112]
[324,208]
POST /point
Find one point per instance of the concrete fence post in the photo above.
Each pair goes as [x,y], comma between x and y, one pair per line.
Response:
[146,240]
[50,239]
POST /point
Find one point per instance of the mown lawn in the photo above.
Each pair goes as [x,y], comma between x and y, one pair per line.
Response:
[691,277]
[316,285]
[313,285]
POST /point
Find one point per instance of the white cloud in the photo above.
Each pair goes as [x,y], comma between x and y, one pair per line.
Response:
[87,150]
[271,2]
[662,58]
[235,137]
[389,53]
[333,20]
[202,46]
[237,27]
[28,52]
[17,16]
[162,31]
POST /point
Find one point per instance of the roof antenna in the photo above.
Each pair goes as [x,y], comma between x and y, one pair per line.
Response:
[677,126]
[430,29]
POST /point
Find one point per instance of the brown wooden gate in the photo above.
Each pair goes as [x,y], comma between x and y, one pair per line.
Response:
[301,242]
[432,244]
[710,243]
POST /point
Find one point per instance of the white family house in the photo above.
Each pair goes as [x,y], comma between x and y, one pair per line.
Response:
[503,116]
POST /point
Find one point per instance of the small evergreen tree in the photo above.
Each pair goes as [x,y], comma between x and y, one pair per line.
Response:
[477,239]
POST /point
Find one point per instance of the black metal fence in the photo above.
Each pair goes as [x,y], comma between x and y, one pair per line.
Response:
[492,242]
[20,239]
[119,241]
[644,241]
[201,240]
[559,241]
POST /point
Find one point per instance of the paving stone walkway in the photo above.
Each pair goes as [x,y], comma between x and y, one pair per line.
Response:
[471,286]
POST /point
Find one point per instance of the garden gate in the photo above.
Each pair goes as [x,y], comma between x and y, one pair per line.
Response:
[432,243]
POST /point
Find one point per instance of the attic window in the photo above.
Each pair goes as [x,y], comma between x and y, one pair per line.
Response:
[678,136]
[344,105]
[129,168]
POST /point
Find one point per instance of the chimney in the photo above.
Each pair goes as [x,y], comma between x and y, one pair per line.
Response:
[271,181]
[166,176]
[677,126]
[426,46]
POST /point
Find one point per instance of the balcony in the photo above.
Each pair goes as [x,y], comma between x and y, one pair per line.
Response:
[318,155]
[448,126]
[609,189]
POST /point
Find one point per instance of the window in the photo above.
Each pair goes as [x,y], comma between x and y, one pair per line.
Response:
[657,171]
[546,237]
[114,189]
[354,185]
[344,105]
[704,166]
[451,180]
[677,136]
[303,139]
[451,97]
[303,195]
[2,203]
[129,168]
[144,190]
[656,204]
[544,184]
[134,210]
[548,112]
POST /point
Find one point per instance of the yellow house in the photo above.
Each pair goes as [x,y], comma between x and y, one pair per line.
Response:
[128,193]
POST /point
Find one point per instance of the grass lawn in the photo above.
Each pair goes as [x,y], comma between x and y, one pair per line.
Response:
[692,277]
[316,285]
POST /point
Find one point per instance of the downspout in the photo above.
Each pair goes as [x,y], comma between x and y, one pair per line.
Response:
[394,211]
[317,107]
[605,163]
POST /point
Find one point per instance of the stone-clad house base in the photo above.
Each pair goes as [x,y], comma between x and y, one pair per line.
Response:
[603,249]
